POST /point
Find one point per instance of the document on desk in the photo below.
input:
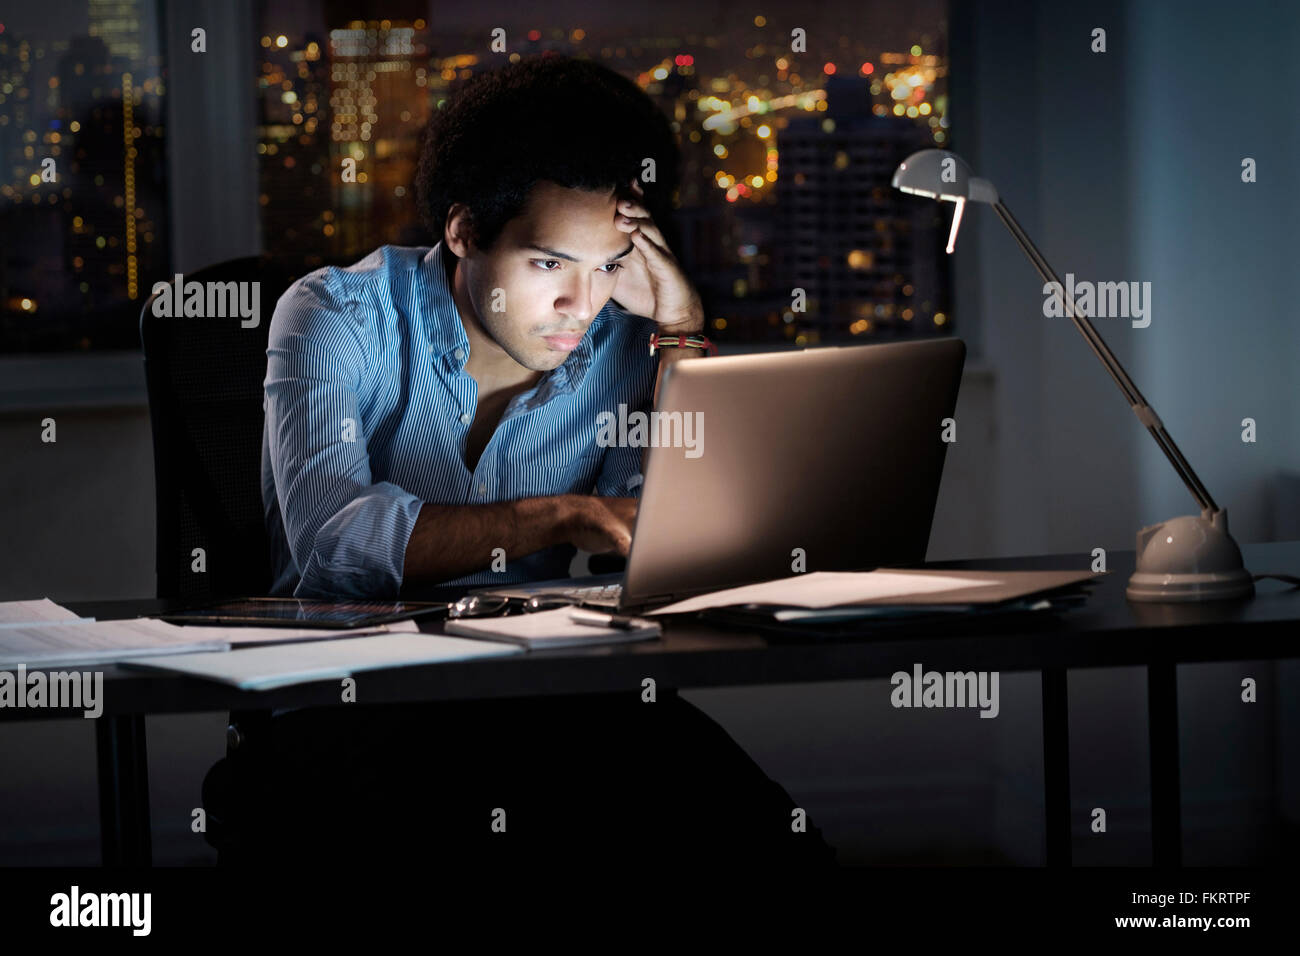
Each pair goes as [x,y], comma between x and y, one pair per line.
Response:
[98,642]
[44,611]
[885,586]
[282,665]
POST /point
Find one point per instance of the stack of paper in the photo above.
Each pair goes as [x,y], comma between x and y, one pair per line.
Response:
[98,642]
[43,611]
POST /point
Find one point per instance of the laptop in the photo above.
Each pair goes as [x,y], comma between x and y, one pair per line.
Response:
[825,459]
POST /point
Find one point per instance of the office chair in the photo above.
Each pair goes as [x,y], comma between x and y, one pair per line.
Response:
[204,378]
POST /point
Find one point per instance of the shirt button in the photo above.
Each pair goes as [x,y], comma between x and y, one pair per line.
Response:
[482,491]
[466,418]
[459,353]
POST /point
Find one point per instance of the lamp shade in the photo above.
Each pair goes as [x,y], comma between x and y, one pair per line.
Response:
[939,174]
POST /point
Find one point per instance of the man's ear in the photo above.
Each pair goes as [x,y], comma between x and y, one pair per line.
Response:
[458,233]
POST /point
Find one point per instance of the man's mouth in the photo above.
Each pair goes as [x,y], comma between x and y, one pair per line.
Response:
[563,342]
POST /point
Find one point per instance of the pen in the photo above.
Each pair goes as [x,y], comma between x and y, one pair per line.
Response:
[599,619]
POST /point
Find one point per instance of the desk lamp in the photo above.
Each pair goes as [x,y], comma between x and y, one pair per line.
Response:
[1188,558]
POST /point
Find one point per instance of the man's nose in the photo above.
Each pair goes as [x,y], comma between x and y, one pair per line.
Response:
[576,301]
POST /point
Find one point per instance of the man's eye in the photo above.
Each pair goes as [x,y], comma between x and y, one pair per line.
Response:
[616,266]
[540,262]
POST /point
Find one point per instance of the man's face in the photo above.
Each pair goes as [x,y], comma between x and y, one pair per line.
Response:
[551,271]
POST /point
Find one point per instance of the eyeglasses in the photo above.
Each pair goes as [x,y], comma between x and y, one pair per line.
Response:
[499,605]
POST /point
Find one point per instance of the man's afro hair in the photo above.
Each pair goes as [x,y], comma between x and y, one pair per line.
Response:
[556,118]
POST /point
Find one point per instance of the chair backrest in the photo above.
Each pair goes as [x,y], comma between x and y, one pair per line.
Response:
[204,377]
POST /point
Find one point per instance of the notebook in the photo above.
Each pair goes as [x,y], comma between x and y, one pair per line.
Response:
[543,629]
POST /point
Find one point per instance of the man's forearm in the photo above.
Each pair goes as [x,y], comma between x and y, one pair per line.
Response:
[449,541]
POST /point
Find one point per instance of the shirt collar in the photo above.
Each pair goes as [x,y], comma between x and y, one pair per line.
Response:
[447,333]
[441,319]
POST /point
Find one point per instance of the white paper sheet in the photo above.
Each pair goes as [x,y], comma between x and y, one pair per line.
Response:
[827,589]
[280,665]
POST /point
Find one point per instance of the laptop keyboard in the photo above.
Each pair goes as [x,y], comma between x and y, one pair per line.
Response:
[601,594]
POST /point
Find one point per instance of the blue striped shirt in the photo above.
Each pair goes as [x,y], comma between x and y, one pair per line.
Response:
[368,406]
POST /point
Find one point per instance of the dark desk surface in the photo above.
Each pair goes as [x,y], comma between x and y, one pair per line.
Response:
[1109,631]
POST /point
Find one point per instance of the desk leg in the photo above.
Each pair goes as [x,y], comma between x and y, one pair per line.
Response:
[1056,764]
[1166,801]
[123,791]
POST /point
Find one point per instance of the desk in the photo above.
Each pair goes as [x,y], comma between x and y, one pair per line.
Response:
[1108,632]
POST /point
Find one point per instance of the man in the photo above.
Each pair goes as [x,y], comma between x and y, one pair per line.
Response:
[431,410]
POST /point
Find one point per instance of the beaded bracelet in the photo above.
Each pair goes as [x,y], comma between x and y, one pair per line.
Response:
[658,341]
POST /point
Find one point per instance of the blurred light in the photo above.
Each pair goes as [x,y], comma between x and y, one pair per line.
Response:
[867,69]
[282,41]
[534,35]
[764,131]
[916,50]
[719,324]
[660,73]
[782,64]
[720,151]
[760,21]
[829,69]
[940,318]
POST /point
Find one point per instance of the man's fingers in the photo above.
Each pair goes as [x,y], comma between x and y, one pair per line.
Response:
[656,255]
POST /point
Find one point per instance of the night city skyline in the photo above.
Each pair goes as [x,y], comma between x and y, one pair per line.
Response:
[786,155]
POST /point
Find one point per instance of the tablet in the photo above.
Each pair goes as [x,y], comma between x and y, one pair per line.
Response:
[299,612]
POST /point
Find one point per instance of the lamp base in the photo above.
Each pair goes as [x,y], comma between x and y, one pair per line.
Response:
[1189,558]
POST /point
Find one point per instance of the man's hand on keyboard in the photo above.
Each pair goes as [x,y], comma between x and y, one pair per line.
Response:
[601,525]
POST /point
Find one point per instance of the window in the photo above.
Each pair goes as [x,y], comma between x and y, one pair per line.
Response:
[82,173]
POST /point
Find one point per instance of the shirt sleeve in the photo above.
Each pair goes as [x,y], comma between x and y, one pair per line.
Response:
[347,536]
[620,474]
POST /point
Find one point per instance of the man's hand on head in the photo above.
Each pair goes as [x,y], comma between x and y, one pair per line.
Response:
[653,283]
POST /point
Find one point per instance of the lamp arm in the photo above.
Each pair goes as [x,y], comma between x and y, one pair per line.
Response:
[1145,413]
